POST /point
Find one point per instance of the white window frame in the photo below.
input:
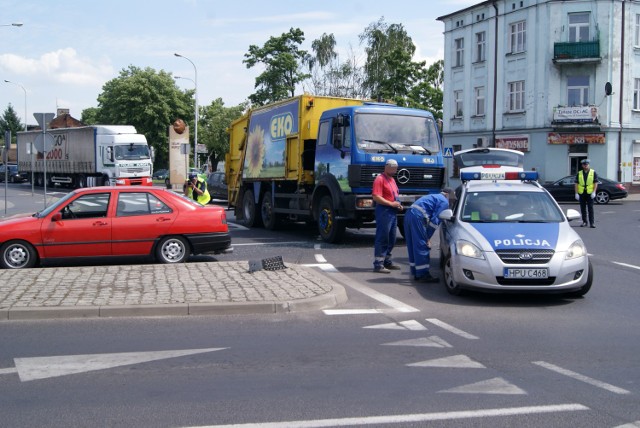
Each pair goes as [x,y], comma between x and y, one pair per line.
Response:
[518,37]
[637,31]
[581,90]
[515,92]
[459,51]
[636,94]
[458,104]
[576,28]
[479,100]
[481,38]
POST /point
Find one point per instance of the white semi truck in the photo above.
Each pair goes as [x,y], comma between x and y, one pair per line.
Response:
[98,155]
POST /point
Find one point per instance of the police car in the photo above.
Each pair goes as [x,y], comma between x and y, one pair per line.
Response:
[506,233]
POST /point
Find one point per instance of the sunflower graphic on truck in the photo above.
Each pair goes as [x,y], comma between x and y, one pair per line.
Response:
[255,152]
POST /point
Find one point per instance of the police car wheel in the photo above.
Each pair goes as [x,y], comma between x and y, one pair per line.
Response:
[586,287]
[453,287]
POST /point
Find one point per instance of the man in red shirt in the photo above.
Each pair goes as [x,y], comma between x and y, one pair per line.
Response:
[385,195]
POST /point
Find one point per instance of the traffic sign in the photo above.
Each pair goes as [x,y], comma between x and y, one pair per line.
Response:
[43,119]
[448,152]
[43,142]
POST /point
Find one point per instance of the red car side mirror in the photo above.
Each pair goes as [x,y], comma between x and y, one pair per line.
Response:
[56,217]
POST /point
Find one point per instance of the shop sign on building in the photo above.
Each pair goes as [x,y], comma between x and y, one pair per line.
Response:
[513,142]
[576,138]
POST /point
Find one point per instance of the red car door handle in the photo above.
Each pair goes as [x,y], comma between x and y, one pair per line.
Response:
[163,219]
[100,223]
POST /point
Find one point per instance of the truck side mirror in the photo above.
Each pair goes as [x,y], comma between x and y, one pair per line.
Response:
[337,138]
[110,153]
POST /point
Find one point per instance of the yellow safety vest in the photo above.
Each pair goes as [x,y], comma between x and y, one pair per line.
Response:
[581,183]
[202,199]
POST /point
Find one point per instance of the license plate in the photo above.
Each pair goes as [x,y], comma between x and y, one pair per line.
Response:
[523,273]
[492,175]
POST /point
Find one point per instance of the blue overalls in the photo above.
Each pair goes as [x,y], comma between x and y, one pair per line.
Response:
[386,229]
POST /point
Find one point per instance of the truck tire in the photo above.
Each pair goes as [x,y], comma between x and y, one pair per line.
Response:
[331,230]
[249,210]
[39,179]
[269,218]
[81,182]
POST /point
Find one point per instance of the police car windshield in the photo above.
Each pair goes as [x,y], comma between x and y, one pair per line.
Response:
[501,207]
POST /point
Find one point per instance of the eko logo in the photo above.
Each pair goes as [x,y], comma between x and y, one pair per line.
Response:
[281,126]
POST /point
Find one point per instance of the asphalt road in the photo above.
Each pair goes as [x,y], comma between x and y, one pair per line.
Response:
[396,354]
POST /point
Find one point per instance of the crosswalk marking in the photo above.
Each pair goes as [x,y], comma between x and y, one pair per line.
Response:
[431,341]
[580,377]
[496,385]
[451,328]
[403,325]
[455,361]
[350,311]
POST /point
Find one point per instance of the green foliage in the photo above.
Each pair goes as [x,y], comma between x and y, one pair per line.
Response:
[212,128]
[90,116]
[426,94]
[281,58]
[10,122]
[147,99]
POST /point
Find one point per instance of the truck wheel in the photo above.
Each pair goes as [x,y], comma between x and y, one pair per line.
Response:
[39,180]
[105,181]
[331,229]
[249,210]
[172,249]
[18,255]
[81,182]
[269,218]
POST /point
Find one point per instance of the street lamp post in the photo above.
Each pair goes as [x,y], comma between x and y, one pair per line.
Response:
[195,134]
[25,124]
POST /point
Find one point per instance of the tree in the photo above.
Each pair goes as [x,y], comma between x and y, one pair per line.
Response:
[90,116]
[10,122]
[329,77]
[147,99]
[389,69]
[281,57]
[427,93]
[214,121]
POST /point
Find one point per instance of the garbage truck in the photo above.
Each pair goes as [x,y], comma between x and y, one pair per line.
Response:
[86,156]
[314,159]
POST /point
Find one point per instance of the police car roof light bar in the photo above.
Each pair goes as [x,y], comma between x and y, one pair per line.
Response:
[500,175]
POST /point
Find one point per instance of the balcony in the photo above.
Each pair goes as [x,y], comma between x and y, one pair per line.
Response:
[576,52]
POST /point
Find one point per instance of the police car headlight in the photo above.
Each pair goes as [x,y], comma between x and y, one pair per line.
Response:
[577,249]
[466,248]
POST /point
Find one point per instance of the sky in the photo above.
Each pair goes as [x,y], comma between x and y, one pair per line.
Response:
[66,50]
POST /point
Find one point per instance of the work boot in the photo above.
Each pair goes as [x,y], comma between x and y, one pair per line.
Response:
[584,224]
[593,226]
[427,278]
[381,269]
[391,266]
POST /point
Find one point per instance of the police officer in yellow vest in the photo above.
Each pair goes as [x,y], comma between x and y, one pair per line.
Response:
[586,187]
[196,189]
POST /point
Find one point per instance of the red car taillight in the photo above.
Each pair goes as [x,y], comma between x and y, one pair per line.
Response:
[621,187]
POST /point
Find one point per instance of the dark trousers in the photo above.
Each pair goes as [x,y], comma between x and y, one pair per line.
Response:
[586,205]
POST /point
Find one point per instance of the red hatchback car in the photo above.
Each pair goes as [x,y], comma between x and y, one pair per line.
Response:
[115,221]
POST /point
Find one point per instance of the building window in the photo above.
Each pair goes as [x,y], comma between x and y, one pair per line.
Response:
[518,37]
[459,48]
[480,46]
[457,99]
[516,96]
[479,96]
[578,91]
[579,27]
[636,94]
[637,33]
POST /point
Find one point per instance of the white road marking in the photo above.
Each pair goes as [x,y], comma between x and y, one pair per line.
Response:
[320,258]
[635,424]
[325,267]
[451,328]
[412,418]
[46,367]
[627,265]
[317,246]
[496,385]
[403,325]
[9,370]
[455,361]
[580,377]
[431,341]
[350,311]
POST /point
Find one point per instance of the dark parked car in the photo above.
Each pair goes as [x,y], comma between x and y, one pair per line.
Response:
[13,176]
[217,185]
[563,190]
[160,174]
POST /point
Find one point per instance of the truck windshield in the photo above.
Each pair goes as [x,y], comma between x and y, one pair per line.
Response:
[132,151]
[376,132]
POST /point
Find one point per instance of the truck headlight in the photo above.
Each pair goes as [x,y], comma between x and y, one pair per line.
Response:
[467,249]
[577,249]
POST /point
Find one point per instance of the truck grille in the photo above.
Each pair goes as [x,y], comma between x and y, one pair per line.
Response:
[134,170]
[416,177]
[522,256]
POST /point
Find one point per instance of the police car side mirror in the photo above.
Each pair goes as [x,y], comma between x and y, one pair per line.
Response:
[446,215]
[573,214]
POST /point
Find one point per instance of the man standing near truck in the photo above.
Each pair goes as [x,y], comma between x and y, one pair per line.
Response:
[385,195]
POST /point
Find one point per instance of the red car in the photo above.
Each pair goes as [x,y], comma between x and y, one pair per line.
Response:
[115,221]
